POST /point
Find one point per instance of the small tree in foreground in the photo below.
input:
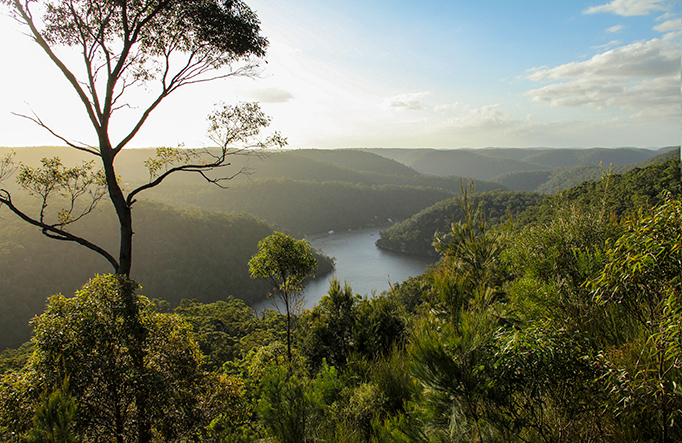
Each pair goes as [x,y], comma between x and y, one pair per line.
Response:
[285,263]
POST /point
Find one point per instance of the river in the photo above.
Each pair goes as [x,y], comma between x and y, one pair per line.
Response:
[361,263]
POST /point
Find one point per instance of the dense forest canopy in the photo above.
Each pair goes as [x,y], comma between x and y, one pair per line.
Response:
[415,235]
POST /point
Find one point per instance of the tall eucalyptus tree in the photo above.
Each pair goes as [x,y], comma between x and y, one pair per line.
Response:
[159,45]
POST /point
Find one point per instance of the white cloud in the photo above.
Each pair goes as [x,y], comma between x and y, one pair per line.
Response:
[640,76]
[409,102]
[652,58]
[442,109]
[616,28]
[629,7]
[669,25]
[271,95]
[660,92]
[604,47]
[665,16]
[483,117]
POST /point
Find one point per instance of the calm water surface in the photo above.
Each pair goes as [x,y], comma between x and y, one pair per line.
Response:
[367,268]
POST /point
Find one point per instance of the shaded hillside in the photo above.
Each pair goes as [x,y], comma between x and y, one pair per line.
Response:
[178,254]
[617,195]
[459,162]
[352,166]
[415,235]
[564,178]
[347,197]
[524,180]
[348,166]
[559,158]
[665,155]
[307,207]
[558,179]
[544,170]
[358,160]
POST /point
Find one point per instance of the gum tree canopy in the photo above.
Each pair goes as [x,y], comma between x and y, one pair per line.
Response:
[125,45]
[285,263]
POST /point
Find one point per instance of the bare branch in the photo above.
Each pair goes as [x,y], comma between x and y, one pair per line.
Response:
[40,40]
[82,147]
[53,231]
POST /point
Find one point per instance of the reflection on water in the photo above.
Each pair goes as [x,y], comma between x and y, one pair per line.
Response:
[367,268]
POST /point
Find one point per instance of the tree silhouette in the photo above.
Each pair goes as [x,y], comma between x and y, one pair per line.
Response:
[161,46]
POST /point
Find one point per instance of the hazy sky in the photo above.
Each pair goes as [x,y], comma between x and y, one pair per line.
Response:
[415,73]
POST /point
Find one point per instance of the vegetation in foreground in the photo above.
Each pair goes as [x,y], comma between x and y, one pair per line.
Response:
[565,330]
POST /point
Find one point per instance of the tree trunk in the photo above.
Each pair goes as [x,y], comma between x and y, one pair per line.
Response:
[123,211]
[118,419]
[144,434]
[137,338]
[286,303]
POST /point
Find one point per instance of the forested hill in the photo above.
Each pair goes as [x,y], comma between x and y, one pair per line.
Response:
[309,191]
[542,170]
[572,312]
[415,235]
[345,165]
[300,191]
[307,207]
[616,195]
[357,160]
[558,179]
[197,254]
[178,255]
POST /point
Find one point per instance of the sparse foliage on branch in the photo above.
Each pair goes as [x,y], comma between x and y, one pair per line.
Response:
[7,166]
[54,180]
[235,129]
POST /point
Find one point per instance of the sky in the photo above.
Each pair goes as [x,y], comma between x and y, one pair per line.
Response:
[413,74]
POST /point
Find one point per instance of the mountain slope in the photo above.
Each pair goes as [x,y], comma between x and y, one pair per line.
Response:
[415,235]
[544,170]
[617,195]
[307,207]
